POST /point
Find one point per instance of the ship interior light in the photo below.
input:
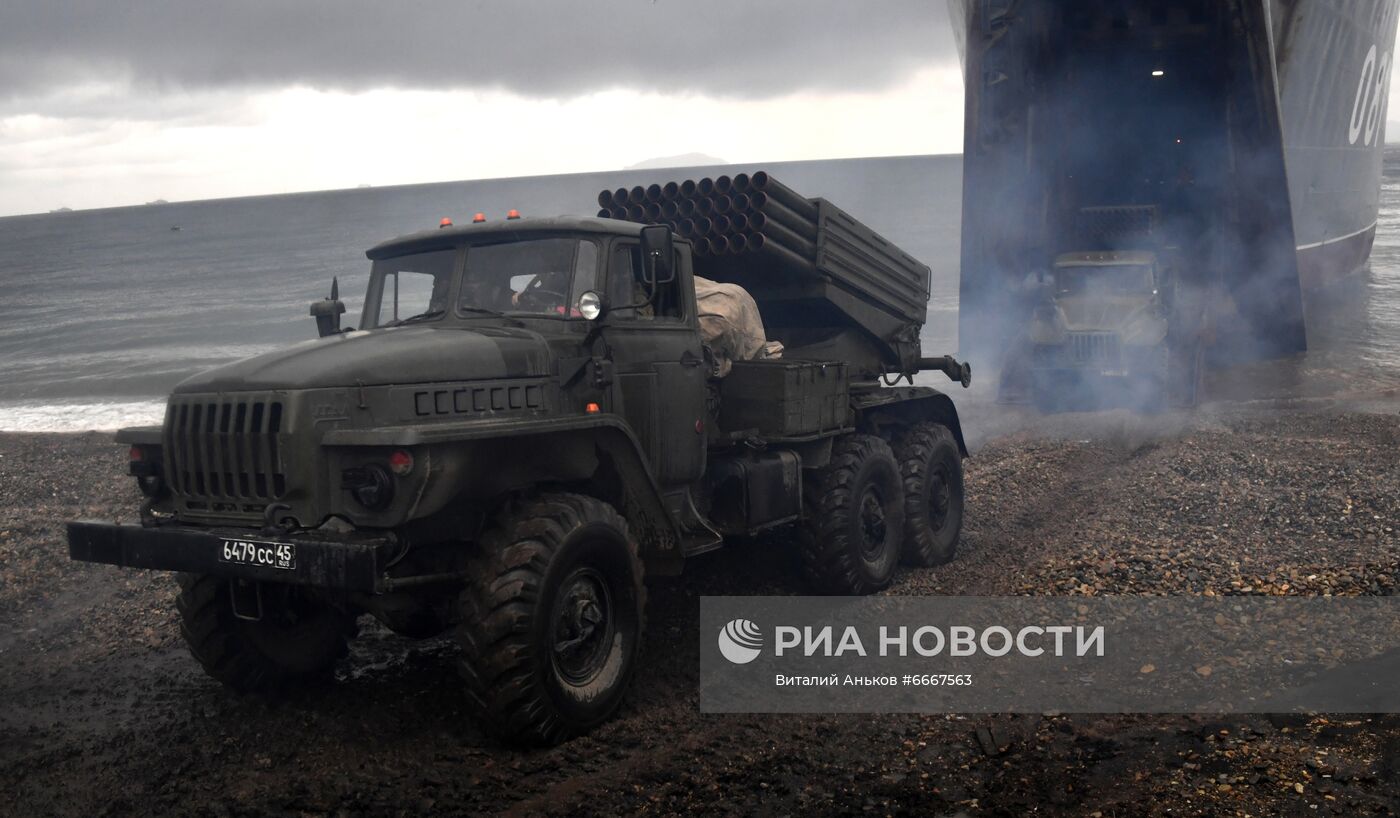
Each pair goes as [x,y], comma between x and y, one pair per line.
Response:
[1157,72]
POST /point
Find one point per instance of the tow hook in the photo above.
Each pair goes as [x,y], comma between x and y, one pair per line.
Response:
[271,525]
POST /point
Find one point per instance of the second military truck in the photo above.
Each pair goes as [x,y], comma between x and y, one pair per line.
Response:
[1114,326]
[526,424]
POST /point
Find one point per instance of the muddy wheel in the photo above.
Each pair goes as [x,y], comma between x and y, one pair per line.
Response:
[298,639]
[552,619]
[855,518]
[1188,376]
[931,466]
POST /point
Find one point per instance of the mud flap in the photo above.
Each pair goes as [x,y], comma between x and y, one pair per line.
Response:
[246,598]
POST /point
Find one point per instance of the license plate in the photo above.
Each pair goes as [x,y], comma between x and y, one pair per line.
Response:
[263,554]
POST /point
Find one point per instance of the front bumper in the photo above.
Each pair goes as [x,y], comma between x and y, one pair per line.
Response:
[358,565]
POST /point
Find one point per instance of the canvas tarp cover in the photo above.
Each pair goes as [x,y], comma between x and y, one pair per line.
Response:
[730,324]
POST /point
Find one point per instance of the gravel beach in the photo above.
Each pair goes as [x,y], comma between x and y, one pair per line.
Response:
[103,712]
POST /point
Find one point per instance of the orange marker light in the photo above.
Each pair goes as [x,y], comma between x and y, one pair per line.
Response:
[592,408]
[512,214]
[478,218]
[446,222]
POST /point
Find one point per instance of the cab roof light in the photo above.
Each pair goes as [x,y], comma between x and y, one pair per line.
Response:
[512,214]
[478,218]
[592,408]
[446,222]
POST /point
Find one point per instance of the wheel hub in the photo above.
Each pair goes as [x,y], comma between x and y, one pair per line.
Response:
[582,626]
[940,498]
[872,525]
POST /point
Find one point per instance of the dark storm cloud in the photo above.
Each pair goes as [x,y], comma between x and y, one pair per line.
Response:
[747,48]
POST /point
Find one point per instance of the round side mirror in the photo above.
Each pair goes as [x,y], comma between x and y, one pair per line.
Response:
[590,305]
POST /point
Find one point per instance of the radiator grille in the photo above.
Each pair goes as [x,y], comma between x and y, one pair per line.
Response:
[1095,347]
[226,448]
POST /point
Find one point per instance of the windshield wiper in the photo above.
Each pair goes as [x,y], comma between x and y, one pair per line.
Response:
[422,316]
[515,322]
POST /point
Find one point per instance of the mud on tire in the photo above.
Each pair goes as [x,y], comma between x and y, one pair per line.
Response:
[299,638]
[552,619]
[931,466]
[854,522]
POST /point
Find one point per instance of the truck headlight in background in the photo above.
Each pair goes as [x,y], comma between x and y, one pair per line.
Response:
[1048,326]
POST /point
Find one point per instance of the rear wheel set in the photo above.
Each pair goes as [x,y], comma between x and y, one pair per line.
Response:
[854,526]
[869,509]
[931,466]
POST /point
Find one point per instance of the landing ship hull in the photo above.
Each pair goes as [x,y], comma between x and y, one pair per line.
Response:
[1333,62]
[1278,167]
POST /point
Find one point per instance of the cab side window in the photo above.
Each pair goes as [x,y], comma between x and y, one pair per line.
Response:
[627,285]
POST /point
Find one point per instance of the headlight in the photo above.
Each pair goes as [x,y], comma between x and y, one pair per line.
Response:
[372,486]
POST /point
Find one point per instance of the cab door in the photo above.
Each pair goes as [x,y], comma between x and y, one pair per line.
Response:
[659,364]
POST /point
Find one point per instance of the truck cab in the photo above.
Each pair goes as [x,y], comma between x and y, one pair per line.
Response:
[616,331]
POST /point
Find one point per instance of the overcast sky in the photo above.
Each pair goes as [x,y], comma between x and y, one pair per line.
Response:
[108,103]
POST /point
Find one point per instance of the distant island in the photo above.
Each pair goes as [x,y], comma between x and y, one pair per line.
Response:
[684,160]
[62,210]
[157,202]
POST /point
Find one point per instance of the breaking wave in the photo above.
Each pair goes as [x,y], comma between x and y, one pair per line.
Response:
[80,417]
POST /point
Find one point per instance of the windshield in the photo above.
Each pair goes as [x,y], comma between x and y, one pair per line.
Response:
[1118,279]
[413,287]
[535,277]
[540,277]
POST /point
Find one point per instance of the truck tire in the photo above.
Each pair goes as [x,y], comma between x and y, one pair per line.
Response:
[299,638]
[931,465]
[1187,377]
[552,619]
[854,524]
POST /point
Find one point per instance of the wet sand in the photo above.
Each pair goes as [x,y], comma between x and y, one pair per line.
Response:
[103,712]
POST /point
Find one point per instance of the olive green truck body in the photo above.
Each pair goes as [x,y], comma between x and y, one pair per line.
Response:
[525,424]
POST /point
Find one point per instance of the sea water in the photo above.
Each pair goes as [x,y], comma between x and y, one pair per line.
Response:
[103,311]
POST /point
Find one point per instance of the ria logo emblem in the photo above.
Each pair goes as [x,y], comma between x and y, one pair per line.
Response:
[740,641]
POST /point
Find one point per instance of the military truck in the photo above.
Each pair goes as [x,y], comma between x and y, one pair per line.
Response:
[1111,327]
[524,427]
